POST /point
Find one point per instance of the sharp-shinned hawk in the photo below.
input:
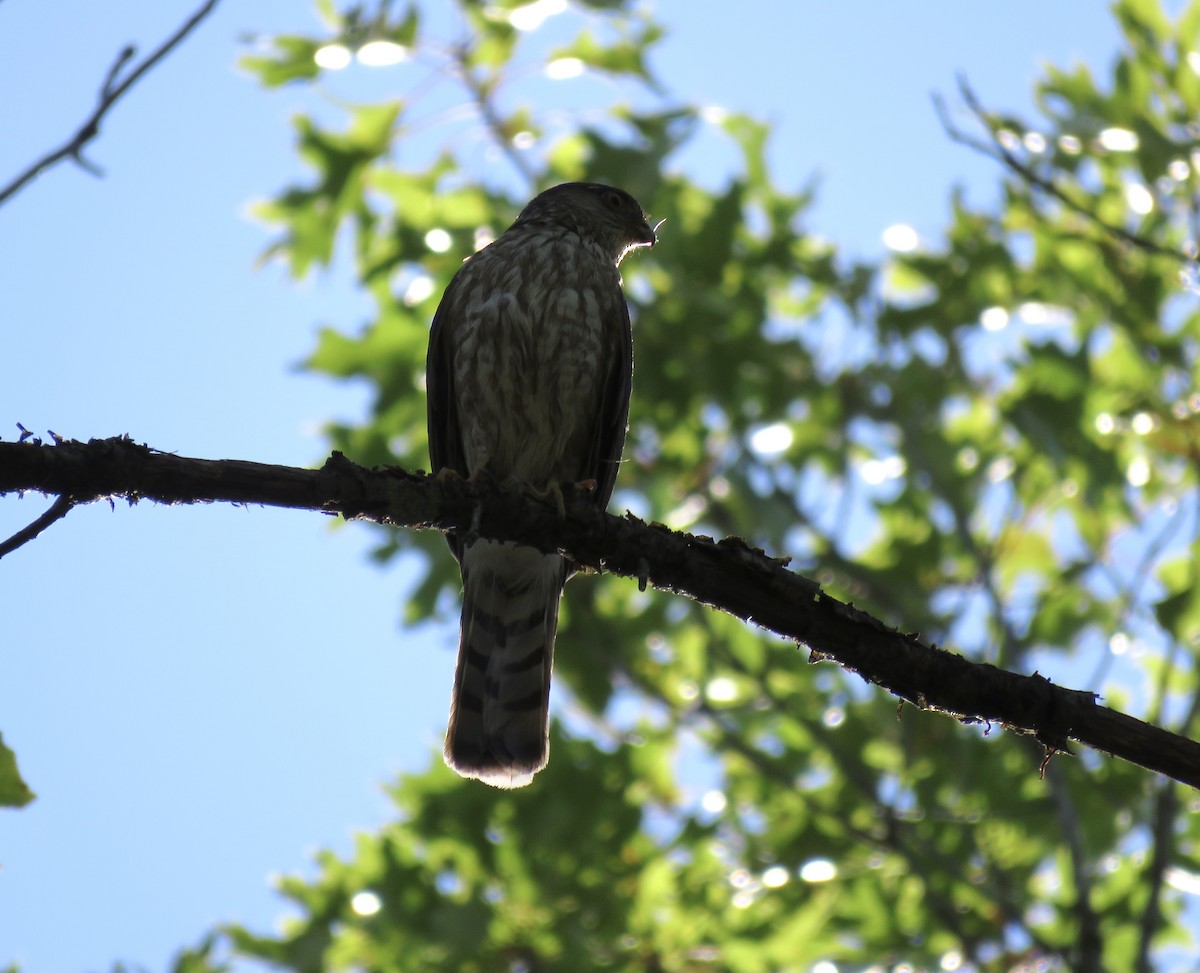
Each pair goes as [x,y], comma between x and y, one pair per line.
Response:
[528,377]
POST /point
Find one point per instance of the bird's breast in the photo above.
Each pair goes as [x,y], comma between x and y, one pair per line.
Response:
[539,333]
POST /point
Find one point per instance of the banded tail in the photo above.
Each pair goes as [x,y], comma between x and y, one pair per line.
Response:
[499,720]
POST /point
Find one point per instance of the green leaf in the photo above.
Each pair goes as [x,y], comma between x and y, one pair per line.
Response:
[293,59]
[14,792]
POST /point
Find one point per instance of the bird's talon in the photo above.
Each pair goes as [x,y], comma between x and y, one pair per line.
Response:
[555,495]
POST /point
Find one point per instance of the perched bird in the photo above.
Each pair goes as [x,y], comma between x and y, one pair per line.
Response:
[528,378]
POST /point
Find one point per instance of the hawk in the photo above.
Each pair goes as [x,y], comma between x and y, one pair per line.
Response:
[528,379]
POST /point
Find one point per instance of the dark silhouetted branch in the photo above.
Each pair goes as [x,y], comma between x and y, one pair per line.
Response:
[111,92]
[57,511]
[727,575]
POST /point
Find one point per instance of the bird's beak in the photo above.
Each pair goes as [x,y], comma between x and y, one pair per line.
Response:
[650,236]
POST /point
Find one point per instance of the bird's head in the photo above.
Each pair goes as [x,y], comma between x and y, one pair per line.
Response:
[608,215]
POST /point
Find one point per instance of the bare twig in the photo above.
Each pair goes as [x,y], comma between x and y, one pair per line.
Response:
[111,92]
[994,149]
[1088,945]
[1164,851]
[57,511]
[482,95]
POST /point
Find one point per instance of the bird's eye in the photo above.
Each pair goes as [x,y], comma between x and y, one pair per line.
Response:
[613,200]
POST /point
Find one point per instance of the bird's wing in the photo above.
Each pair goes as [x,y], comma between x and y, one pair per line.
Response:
[608,438]
[445,436]
[445,439]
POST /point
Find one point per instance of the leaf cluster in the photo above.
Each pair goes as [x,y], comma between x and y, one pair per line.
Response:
[991,439]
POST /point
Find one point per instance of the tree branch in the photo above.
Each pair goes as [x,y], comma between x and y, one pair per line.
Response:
[727,575]
[995,149]
[111,92]
[57,511]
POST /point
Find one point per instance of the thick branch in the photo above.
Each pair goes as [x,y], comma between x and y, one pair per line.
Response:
[727,574]
[111,92]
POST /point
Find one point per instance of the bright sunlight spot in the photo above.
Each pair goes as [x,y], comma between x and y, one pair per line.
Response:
[333,57]
[1041,315]
[876,471]
[951,961]
[713,802]
[1105,424]
[1033,312]
[1179,169]
[1193,60]
[530,16]
[438,240]
[1118,140]
[1143,424]
[1182,879]
[1119,643]
[381,54]
[1138,472]
[901,237]
[483,237]
[771,440]
[722,689]
[824,966]
[1139,198]
[562,68]
[818,870]
[365,903]
[419,290]
[775,877]
[994,318]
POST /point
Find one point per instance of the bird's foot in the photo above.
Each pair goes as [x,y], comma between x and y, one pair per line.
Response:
[552,493]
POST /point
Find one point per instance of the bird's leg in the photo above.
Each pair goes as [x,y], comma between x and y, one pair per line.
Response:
[478,475]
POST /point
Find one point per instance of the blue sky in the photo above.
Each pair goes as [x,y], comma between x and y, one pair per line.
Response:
[203,696]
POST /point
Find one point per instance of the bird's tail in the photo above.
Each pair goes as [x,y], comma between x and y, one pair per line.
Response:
[498,729]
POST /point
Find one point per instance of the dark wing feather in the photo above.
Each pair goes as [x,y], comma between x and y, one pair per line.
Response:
[445,438]
[608,441]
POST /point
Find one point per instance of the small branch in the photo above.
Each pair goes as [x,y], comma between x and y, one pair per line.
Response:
[1088,946]
[111,92]
[57,511]
[481,95]
[727,575]
[1165,816]
[994,149]
[1164,845]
